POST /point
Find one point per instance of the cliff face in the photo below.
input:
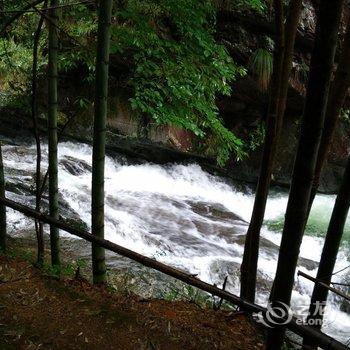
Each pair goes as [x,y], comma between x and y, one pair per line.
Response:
[247,106]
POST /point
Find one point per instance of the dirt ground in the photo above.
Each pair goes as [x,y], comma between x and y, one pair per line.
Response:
[41,312]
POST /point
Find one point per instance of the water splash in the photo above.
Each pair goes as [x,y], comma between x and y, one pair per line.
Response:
[183,216]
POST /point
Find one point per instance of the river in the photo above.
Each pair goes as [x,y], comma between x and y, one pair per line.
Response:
[182,216]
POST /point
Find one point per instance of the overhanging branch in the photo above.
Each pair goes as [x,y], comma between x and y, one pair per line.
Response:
[18,14]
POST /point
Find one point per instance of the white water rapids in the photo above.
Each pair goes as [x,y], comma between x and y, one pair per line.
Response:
[184,217]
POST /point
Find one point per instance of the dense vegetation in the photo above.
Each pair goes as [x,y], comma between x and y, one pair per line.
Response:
[167,58]
[175,66]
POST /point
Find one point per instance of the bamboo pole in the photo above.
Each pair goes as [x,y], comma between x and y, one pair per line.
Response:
[2,207]
[251,247]
[322,340]
[325,285]
[17,15]
[99,139]
[296,215]
[52,132]
[34,112]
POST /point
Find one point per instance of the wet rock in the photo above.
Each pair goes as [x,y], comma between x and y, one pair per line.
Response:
[74,166]
[230,269]
[308,263]
[345,304]
[20,188]
[12,172]
[213,211]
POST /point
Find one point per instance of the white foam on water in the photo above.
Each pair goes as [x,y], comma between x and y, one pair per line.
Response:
[171,213]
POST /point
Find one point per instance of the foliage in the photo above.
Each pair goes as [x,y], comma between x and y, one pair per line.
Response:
[345,115]
[261,66]
[15,67]
[176,67]
[16,53]
[18,252]
[78,31]
[63,270]
[82,102]
[179,68]
[256,5]
[257,137]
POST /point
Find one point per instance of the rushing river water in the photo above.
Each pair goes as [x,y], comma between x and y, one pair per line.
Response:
[182,216]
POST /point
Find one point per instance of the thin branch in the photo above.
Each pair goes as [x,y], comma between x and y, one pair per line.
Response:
[345,268]
[60,134]
[325,285]
[41,12]
[18,15]
[340,284]
[21,11]
[48,18]
[34,107]
[217,307]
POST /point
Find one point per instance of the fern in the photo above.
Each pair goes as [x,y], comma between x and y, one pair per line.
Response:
[261,66]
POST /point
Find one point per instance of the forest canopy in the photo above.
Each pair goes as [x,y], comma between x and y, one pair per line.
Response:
[175,68]
[131,105]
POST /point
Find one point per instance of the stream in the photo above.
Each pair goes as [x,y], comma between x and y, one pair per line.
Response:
[182,216]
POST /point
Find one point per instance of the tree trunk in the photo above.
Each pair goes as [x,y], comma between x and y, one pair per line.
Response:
[2,207]
[98,157]
[17,15]
[336,101]
[282,65]
[52,129]
[251,247]
[313,120]
[34,107]
[290,35]
[330,251]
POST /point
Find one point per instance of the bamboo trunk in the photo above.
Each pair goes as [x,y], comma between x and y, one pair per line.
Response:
[304,167]
[10,21]
[280,81]
[336,101]
[324,285]
[330,251]
[98,157]
[52,129]
[291,29]
[2,207]
[34,107]
[251,247]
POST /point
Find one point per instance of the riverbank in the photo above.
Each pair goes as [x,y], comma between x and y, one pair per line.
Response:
[243,173]
[178,214]
[39,310]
